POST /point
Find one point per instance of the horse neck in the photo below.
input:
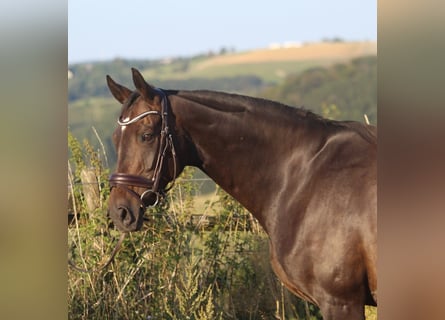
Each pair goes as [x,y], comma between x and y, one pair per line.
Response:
[240,142]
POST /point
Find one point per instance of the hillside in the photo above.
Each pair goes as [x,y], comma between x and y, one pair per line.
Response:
[323,51]
[271,65]
[245,72]
[343,91]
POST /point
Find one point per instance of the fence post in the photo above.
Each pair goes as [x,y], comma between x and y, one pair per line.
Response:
[90,188]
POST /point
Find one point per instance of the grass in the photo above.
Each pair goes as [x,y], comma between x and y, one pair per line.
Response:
[370,313]
[171,271]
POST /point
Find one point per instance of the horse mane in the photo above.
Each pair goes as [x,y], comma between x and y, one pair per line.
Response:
[216,100]
[367,132]
[232,102]
[236,103]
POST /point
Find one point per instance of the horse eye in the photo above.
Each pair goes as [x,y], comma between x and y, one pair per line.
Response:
[147,136]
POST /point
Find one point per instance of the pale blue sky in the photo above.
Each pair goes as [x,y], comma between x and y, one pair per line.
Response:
[102,30]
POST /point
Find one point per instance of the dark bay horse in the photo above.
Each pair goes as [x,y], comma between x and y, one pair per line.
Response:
[310,182]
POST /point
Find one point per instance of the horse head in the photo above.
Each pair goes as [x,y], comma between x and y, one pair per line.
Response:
[146,158]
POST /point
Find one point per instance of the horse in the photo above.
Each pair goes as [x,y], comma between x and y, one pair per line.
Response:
[309,181]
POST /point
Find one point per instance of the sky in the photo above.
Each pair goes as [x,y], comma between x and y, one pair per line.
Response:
[146,29]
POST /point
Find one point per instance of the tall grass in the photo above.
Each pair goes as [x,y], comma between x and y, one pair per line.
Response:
[175,267]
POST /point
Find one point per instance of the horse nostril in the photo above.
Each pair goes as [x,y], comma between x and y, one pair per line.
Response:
[125,215]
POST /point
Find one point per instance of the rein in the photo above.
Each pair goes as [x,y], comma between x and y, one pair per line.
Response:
[125,180]
[106,264]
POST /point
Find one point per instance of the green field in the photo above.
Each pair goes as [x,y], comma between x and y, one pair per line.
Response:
[270,72]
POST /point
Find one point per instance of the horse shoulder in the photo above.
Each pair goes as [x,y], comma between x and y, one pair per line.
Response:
[318,243]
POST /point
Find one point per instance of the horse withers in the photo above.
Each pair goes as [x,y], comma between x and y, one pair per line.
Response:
[310,182]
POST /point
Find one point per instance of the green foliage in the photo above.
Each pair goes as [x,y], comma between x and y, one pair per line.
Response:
[191,300]
[351,87]
[330,111]
[76,153]
[85,157]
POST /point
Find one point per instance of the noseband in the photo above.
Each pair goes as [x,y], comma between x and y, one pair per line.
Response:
[125,181]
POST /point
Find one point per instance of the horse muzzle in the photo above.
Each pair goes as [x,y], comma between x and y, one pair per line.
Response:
[125,217]
[127,212]
[150,197]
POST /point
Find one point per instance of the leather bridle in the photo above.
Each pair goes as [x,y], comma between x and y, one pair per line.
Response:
[125,180]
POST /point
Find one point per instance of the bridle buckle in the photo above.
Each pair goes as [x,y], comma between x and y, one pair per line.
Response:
[150,193]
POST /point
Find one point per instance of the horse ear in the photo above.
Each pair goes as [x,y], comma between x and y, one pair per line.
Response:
[118,91]
[147,91]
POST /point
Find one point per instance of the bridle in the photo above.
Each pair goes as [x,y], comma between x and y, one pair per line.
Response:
[125,180]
